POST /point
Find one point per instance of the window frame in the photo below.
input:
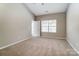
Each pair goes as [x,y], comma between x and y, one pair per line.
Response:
[49,26]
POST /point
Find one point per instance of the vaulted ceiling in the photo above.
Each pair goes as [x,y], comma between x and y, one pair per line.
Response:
[46,8]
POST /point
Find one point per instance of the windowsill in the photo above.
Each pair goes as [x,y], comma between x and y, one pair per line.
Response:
[48,32]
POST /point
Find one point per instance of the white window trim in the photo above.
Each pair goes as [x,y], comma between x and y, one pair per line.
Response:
[48,27]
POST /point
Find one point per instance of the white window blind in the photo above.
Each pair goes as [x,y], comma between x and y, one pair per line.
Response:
[48,26]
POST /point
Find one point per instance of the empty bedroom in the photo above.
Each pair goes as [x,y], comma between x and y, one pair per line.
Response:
[39,29]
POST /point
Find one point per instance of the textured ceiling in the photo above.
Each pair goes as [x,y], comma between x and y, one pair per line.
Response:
[46,8]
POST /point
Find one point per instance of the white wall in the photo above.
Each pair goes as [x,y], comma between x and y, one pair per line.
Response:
[73,26]
[15,23]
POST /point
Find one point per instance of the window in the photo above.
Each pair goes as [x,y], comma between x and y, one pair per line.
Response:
[48,26]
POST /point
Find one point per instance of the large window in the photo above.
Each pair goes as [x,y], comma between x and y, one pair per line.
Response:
[48,26]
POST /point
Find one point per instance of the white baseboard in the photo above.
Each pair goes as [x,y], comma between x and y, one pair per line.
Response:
[73,46]
[14,43]
[54,37]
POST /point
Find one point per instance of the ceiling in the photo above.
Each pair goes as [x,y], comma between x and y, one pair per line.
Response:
[46,8]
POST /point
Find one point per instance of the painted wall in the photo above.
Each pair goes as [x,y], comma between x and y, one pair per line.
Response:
[73,26]
[61,25]
[15,23]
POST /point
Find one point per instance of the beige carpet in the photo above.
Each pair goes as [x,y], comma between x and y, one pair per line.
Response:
[40,47]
